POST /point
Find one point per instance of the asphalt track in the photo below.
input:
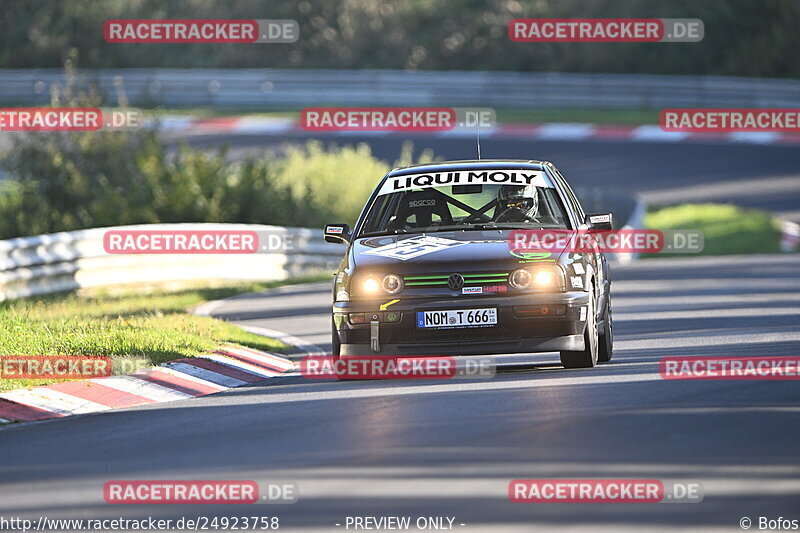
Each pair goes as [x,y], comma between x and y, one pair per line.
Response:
[750,175]
[450,448]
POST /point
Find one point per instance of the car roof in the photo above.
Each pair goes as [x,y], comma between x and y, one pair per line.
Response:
[471,164]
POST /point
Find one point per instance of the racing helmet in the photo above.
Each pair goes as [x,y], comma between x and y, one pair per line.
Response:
[522,200]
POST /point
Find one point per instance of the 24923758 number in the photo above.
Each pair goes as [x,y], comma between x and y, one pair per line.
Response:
[237,523]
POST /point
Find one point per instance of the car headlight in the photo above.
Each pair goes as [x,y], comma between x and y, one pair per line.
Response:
[520,279]
[392,284]
[542,277]
[370,285]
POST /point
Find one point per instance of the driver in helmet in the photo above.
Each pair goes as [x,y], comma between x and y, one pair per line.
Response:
[517,203]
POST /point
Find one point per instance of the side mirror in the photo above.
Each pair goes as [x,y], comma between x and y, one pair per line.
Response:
[599,222]
[337,233]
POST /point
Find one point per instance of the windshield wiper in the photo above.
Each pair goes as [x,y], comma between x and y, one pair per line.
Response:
[499,225]
[386,232]
[524,225]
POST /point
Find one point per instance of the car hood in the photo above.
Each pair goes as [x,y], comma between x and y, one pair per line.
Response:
[451,251]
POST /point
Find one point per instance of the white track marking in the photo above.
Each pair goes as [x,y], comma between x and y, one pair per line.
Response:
[263,125]
[306,347]
[53,401]
[207,308]
[655,133]
[241,365]
[145,389]
[569,131]
[194,379]
[208,375]
[265,357]
[754,137]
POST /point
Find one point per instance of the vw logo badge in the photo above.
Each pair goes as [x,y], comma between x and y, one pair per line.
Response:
[455,282]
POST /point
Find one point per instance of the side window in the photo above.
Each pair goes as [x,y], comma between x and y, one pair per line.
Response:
[573,199]
[379,212]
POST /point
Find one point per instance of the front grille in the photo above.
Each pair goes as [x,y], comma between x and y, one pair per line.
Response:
[472,280]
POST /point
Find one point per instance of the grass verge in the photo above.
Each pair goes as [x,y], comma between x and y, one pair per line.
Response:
[727,229]
[136,330]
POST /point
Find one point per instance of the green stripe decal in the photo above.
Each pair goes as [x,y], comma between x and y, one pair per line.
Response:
[441,279]
[445,276]
[442,283]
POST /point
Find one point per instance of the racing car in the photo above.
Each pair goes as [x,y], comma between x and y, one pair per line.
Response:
[431,267]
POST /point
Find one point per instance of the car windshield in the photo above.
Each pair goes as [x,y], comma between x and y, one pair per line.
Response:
[420,203]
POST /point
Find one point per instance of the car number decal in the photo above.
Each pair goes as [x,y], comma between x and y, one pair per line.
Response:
[414,247]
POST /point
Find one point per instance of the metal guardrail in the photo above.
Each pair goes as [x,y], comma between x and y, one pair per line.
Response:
[77,259]
[73,260]
[287,88]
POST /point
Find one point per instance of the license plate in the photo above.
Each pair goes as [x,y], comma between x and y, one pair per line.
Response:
[457,318]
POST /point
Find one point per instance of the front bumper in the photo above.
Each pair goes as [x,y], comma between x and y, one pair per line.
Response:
[512,333]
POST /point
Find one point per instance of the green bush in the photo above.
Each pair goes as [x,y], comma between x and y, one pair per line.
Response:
[727,229]
[62,181]
[69,181]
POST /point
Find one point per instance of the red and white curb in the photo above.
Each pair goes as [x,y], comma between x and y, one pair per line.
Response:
[555,131]
[224,368]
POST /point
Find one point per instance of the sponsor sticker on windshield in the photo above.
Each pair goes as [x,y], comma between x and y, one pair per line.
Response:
[471,177]
[414,247]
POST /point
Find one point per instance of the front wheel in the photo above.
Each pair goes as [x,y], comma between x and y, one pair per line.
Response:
[336,349]
[588,356]
[336,344]
[606,345]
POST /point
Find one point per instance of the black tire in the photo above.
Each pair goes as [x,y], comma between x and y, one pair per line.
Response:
[587,357]
[606,339]
[336,349]
[336,345]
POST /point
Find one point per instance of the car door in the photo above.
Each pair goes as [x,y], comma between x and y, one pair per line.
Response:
[596,258]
